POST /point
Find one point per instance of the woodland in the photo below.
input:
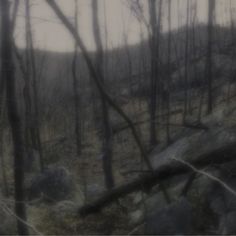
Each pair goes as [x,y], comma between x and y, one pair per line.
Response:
[135,139]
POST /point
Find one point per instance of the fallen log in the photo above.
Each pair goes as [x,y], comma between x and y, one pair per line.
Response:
[195,125]
[145,182]
[123,127]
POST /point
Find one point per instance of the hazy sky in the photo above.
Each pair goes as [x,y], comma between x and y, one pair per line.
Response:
[50,34]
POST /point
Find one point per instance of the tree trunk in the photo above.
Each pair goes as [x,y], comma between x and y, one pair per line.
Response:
[169,74]
[154,82]
[107,135]
[75,90]
[35,129]
[13,115]
[186,82]
[211,9]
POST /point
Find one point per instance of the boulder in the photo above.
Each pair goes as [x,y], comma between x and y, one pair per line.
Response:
[156,201]
[173,219]
[136,216]
[64,209]
[197,145]
[93,191]
[227,224]
[54,184]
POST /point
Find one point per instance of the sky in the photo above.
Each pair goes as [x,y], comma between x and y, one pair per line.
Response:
[50,34]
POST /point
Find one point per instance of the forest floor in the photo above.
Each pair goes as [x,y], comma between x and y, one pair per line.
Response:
[87,171]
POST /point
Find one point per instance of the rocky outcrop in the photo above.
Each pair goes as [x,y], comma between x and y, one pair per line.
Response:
[219,200]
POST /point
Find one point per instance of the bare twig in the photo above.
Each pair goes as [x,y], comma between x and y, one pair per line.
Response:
[210,176]
[7,210]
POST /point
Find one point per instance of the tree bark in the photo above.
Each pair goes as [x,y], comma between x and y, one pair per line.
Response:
[168,139]
[13,116]
[186,74]
[211,9]
[75,90]
[154,80]
[107,135]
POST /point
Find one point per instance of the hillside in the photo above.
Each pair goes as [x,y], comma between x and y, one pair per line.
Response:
[190,187]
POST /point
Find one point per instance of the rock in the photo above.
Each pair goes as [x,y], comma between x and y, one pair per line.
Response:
[54,184]
[93,191]
[136,216]
[221,200]
[173,219]
[157,201]
[138,197]
[217,205]
[227,224]
[64,209]
[195,146]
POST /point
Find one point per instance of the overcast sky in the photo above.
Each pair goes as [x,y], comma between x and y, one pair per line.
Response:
[50,34]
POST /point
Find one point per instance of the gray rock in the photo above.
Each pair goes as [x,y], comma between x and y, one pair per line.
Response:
[64,209]
[217,205]
[227,224]
[173,219]
[54,184]
[157,201]
[138,197]
[94,190]
[221,199]
[197,145]
[136,216]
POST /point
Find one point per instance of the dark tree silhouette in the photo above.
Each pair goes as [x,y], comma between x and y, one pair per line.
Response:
[75,89]
[107,143]
[155,81]
[14,119]
[186,70]
[211,10]
[169,73]
[35,129]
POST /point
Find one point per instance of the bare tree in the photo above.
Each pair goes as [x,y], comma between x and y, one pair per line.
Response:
[154,47]
[27,92]
[107,144]
[186,71]
[30,91]
[13,116]
[75,89]
[2,156]
[97,79]
[169,72]
[211,9]
[232,26]
[36,127]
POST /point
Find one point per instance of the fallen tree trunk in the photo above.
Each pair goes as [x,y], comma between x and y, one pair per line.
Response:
[145,182]
[123,127]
